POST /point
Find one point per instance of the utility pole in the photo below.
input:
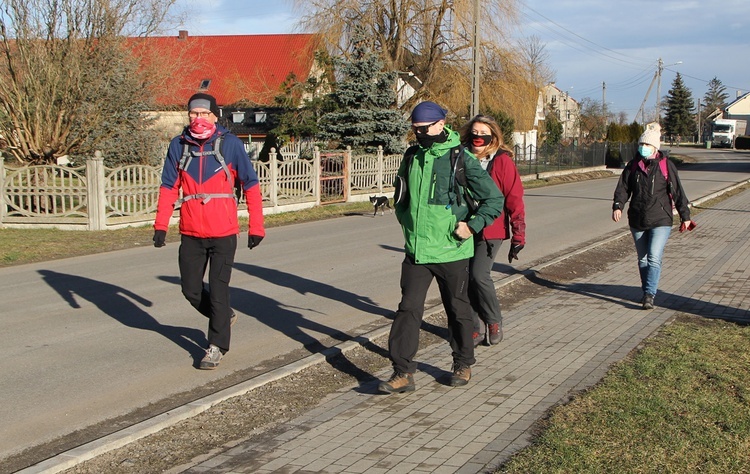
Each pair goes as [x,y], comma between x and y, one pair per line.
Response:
[642,110]
[604,99]
[475,75]
[659,69]
[700,129]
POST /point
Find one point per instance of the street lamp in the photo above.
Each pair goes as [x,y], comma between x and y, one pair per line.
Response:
[659,70]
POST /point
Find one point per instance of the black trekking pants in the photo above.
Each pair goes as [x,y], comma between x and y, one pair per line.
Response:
[213,302]
[482,292]
[453,280]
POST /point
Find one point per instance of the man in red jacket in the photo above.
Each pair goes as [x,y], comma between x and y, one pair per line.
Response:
[205,162]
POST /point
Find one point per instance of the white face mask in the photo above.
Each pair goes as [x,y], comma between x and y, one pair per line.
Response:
[645,150]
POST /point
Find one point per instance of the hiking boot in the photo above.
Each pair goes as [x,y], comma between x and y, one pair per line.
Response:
[461,375]
[232,319]
[496,333]
[398,383]
[648,301]
[212,358]
[477,338]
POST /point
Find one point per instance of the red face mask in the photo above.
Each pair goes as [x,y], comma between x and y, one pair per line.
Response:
[201,128]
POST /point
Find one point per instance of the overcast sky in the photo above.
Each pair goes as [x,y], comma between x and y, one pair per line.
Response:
[589,42]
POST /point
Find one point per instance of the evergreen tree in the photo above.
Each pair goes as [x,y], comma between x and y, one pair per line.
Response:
[679,120]
[305,103]
[366,98]
[506,122]
[553,130]
[636,130]
[716,96]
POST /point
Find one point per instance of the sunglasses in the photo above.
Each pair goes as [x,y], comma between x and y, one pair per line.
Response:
[423,129]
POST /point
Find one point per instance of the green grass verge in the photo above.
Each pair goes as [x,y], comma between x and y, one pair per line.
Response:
[20,246]
[681,404]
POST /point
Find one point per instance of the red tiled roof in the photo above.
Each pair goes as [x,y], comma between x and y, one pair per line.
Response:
[246,68]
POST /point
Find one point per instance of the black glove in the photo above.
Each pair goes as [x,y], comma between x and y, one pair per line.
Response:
[159,236]
[513,252]
[253,241]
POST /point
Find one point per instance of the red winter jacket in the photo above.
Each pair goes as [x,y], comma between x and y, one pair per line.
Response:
[513,219]
[217,216]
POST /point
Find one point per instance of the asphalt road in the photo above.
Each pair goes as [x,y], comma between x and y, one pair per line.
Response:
[94,338]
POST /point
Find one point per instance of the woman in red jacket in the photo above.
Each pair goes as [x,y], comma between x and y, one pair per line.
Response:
[483,136]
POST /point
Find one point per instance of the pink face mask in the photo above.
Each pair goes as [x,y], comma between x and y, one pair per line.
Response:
[201,128]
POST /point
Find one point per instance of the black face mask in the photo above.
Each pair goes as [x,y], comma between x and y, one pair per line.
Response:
[426,141]
[480,140]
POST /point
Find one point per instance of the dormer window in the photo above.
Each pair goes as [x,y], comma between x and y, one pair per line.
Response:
[260,117]
[204,84]
[238,117]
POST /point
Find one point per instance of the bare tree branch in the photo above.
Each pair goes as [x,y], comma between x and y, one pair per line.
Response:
[62,64]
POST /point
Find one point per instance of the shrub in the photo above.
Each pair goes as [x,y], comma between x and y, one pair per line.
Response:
[742,143]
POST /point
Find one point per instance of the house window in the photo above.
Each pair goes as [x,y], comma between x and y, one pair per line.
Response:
[238,117]
[260,117]
[204,84]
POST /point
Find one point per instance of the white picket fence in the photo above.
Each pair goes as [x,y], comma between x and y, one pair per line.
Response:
[95,197]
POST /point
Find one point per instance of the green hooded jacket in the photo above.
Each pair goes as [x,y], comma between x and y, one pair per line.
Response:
[429,216]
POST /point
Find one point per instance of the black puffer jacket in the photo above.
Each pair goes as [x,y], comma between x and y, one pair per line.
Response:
[643,183]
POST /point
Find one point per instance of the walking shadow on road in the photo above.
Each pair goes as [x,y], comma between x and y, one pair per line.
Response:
[123,306]
[305,286]
[292,324]
[288,320]
[629,296]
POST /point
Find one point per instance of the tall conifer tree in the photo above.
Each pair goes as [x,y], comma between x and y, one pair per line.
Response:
[679,119]
[716,97]
[366,97]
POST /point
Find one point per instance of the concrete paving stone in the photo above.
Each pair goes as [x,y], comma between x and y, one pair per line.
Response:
[335,468]
[470,468]
[361,465]
[555,344]
[318,465]
[458,460]
[390,462]
[443,469]
[444,453]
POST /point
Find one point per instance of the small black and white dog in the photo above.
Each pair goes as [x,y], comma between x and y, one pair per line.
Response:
[380,202]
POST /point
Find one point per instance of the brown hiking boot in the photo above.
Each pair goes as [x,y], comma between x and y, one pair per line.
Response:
[398,383]
[496,333]
[461,375]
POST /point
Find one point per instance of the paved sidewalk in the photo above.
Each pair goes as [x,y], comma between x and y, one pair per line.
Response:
[555,344]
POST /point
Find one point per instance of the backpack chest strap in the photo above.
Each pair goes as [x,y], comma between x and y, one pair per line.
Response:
[205,197]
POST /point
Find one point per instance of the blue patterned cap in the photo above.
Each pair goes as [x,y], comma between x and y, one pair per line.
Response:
[427,112]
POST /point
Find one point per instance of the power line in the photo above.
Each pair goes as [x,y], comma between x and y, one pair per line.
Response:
[576,35]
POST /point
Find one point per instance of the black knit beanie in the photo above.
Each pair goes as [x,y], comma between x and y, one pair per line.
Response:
[203,101]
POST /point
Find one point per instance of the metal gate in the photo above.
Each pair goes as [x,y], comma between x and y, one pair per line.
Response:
[333,175]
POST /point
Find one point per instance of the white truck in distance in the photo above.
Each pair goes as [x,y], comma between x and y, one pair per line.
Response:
[724,131]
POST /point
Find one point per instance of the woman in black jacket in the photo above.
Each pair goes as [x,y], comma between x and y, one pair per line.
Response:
[651,183]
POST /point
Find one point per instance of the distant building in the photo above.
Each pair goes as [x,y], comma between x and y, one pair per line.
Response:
[566,109]
[739,109]
[243,72]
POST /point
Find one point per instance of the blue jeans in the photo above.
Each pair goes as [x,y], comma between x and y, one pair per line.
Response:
[650,247]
